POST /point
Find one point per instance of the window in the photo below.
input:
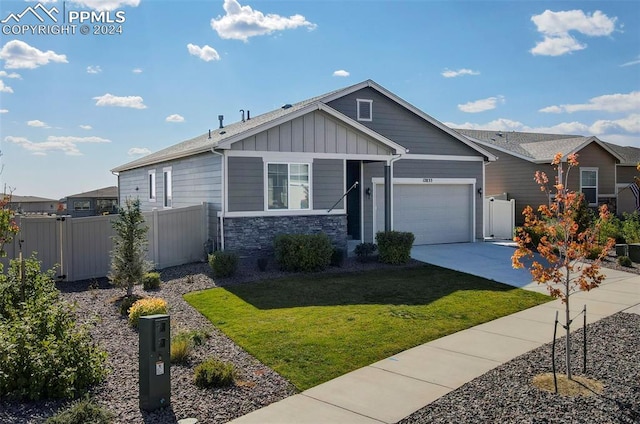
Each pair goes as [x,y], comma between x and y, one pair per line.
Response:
[151,181]
[365,109]
[81,205]
[105,206]
[287,186]
[166,176]
[589,185]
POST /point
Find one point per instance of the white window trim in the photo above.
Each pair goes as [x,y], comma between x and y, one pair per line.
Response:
[151,184]
[596,186]
[167,187]
[266,186]
[370,105]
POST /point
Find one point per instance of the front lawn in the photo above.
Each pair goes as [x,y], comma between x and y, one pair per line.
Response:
[312,328]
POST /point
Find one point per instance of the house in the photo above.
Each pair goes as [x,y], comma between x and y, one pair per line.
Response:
[603,175]
[295,169]
[32,204]
[102,201]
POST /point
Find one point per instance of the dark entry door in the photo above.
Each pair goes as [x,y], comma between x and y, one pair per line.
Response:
[353,199]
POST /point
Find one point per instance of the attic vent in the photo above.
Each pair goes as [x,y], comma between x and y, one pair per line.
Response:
[287,106]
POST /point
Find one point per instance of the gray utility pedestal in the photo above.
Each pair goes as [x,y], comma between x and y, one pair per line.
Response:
[155,361]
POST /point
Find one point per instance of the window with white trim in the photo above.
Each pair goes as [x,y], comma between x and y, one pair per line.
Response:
[288,186]
[151,183]
[364,109]
[81,205]
[167,184]
[589,185]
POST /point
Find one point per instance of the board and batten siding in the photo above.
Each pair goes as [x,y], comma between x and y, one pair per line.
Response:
[194,180]
[402,126]
[328,183]
[246,184]
[315,132]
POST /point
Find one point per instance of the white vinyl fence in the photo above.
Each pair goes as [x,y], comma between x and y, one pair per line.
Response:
[499,218]
[80,247]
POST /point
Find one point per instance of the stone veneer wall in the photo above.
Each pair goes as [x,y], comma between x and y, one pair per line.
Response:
[252,235]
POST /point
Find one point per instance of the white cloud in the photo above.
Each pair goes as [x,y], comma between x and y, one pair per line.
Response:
[94,69]
[633,62]
[106,4]
[481,105]
[66,144]
[86,127]
[341,73]
[555,27]
[37,123]
[20,55]
[606,103]
[138,151]
[174,118]
[630,124]
[135,102]
[447,73]
[206,53]
[5,74]
[242,22]
[4,110]
[5,88]
[136,71]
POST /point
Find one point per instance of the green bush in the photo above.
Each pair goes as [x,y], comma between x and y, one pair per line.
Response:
[337,257]
[631,227]
[214,373]
[223,264]
[146,306]
[151,281]
[611,228]
[81,412]
[594,253]
[625,261]
[303,252]
[183,342]
[394,246]
[44,352]
[364,251]
[534,232]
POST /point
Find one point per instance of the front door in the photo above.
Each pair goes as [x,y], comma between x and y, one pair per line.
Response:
[353,199]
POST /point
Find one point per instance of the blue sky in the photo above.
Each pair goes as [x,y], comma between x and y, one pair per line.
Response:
[74,106]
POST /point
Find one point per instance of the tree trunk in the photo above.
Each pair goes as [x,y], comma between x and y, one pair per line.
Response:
[568,323]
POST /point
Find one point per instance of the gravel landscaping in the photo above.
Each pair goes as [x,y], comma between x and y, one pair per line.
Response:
[502,395]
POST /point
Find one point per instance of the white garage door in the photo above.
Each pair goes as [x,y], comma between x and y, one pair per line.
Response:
[434,213]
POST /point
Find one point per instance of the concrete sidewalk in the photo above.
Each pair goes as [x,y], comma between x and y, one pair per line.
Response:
[391,389]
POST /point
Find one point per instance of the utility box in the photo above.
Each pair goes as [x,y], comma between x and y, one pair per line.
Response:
[155,361]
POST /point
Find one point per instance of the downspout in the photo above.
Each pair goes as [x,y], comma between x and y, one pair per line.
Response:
[223,181]
[388,181]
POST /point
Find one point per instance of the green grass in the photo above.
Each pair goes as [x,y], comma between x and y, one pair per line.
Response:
[312,328]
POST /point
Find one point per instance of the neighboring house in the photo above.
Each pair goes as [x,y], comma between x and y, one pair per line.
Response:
[32,204]
[603,173]
[286,171]
[627,174]
[103,201]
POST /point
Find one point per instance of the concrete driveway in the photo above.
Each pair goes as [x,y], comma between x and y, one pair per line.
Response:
[485,259]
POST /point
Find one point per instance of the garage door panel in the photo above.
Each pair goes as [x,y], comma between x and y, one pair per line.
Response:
[434,213]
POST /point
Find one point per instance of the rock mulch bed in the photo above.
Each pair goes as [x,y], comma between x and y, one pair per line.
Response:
[506,395]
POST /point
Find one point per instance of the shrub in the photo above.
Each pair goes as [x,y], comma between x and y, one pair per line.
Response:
[214,373]
[631,227]
[146,306]
[303,252]
[180,350]
[625,261]
[127,302]
[611,228]
[394,246]
[364,251]
[81,412]
[44,352]
[337,257]
[151,281]
[594,252]
[223,264]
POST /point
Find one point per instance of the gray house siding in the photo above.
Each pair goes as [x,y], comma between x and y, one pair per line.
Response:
[328,183]
[402,126]
[316,132]
[594,156]
[246,184]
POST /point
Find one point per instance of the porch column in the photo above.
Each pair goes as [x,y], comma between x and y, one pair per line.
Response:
[387,197]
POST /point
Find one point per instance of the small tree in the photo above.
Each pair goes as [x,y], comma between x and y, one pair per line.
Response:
[128,263]
[8,227]
[564,245]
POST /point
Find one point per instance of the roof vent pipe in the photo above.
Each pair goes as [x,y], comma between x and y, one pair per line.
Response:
[209,134]
[242,110]
[248,114]
[221,118]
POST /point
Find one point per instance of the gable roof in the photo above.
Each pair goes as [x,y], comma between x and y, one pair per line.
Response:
[106,192]
[535,147]
[629,154]
[30,199]
[222,138]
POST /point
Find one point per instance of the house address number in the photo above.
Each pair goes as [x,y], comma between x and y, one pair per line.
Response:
[427,180]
